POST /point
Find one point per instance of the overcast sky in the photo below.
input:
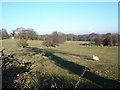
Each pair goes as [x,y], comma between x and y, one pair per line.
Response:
[67,17]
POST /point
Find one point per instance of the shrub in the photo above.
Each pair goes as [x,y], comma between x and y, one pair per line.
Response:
[22,43]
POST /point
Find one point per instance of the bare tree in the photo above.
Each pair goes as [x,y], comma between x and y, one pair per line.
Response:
[54,39]
[107,39]
[26,34]
[4,34]
[98,40]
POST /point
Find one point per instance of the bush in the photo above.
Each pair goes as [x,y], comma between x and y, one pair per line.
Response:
[46,44]
[22,43]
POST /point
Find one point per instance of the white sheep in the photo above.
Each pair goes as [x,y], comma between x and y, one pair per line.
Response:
[96,58]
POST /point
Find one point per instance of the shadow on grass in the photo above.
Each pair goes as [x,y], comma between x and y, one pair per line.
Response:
[35,50]
[85,57]
[78,69]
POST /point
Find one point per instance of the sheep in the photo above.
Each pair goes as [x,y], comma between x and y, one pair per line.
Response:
[96,58]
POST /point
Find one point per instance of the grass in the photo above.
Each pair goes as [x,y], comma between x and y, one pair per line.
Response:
[108,58]
[66,64]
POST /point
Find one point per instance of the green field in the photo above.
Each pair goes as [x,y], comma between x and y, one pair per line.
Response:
[65,64]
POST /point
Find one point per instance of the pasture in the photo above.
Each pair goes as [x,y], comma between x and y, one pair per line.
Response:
[64,65]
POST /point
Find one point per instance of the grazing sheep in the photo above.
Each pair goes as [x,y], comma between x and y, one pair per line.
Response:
[96,58]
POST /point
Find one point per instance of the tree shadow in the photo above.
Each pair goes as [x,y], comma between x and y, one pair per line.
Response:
[85,57]
[35,50]
[38,51]
[78,69]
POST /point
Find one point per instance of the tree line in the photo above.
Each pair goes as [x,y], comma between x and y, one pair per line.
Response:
[56,38]
[108,39]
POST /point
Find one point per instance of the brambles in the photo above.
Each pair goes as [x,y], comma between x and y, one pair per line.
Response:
[19,80]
